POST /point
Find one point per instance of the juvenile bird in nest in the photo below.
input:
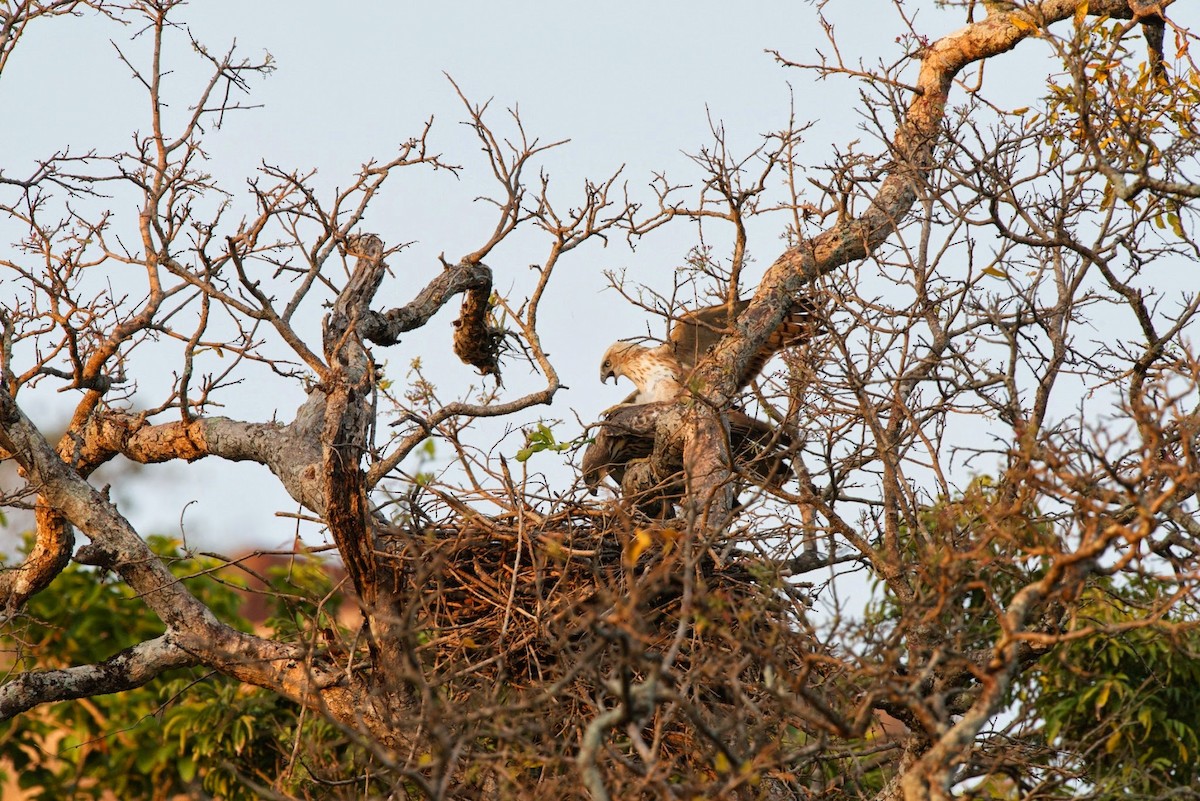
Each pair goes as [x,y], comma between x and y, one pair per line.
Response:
[626,435]
[626,432]
[660,373]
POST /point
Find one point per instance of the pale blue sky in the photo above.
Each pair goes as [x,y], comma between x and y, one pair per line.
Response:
[629,83]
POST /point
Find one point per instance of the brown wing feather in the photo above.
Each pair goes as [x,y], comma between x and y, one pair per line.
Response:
[626,433]
[695,333]
[759,448]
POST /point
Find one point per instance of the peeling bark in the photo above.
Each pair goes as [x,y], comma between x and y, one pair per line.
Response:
[50,554]
[285,668]
[930,765]
[131,668]
[318,458]
[292,452]
[475,342]
[853,238]
[348,417]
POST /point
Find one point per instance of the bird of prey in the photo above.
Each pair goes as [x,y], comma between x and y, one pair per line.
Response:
[626,432]
[661,373]
[626,435]
[656,372]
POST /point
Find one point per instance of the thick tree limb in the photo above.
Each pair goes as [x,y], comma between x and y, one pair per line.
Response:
[475,342]
[856,237]
[289,451]
[309,456]
[348,417]
[131,668]
[50,554]
[285,668]
[929,775]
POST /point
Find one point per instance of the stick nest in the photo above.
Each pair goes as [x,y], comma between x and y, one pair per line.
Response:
[523,632]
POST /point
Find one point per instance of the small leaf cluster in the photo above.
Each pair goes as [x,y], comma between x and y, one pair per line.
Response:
[542,439]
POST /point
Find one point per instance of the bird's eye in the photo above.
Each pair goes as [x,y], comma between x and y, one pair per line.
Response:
[607,363]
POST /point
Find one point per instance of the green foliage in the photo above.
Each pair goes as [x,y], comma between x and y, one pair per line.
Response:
[190,732]
[542,439]
[426,454]
[965,553]
[1124,698]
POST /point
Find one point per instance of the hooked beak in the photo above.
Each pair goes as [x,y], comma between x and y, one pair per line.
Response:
[605,376]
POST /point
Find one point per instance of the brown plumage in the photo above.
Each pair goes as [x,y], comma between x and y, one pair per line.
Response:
[695,333]
[655,372]
[661,373]
[626,434]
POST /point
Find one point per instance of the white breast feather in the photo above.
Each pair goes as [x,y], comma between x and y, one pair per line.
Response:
[657,379]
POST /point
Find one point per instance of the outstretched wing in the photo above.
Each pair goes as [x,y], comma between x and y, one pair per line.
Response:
[695,333]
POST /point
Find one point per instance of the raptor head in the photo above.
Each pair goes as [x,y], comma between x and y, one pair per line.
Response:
[613,363]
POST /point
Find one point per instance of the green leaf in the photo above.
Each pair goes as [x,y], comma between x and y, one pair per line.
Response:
[1176,226]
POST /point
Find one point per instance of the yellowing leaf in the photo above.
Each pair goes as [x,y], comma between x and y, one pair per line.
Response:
[641,541]
[1024,24]
[994,271]
[721,763]
[669,537]
[1176,226]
